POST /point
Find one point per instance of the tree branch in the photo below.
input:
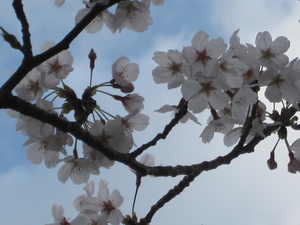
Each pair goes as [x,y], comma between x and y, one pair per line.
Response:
[18,6]
[178,116]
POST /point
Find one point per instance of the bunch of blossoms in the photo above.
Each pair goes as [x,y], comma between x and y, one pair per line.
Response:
[227,81]
[48,144]
[99,209]
[132,14]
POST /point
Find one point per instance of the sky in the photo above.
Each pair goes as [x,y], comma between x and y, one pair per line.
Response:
[244,192]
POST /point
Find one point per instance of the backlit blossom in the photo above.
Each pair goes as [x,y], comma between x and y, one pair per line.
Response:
[57,67]
[109,204]
[132,14]
[241,100]
[48,148]
[58,215]
[35,128]
[222,125]
[105,17]
[30,87]
[270,53]
[171,69]
[131,102]
[78,170]
[203,54]
[124,73]
[201,93]
[280,85]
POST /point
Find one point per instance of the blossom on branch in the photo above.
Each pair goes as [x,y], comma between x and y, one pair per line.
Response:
[124,73]
[172,68]
[105,17]
[57,67]
[270,53]
[134,15]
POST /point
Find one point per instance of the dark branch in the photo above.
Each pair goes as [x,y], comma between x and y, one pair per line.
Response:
[18,6]
[178,116]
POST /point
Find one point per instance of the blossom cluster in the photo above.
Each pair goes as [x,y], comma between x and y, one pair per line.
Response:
[132,14]
[48,144]
[98,209]
[228,81]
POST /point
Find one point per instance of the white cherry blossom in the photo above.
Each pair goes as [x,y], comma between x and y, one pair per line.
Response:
[240,102]
[171,69]
[134,15]
[109,204]
[131,102]
[280,85]
[203,54]
[232,69]
[270,53]
[124,73]
[57,67]
[78,169]
[96,24]
[221,125]
[58,215]
[35,128]
[30,87]
[48,148]
[202,93]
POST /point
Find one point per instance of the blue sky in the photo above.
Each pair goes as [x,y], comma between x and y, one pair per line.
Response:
[244,192]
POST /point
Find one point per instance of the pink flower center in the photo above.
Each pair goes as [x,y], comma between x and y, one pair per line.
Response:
[108,207]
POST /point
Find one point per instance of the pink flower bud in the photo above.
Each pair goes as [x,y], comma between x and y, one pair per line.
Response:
[92,56]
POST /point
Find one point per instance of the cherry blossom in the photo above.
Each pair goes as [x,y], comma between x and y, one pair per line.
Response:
[241,100]
[56,68]
[171,69]
[221,125]
[48,148]
[112,134]
[30,87]
[109,204]
[202,92]
[203,54]
[131,102]
[232,69]
[78,169]
[132,14]
[58,215]
[270,53]
[35,128]
[280,85]
[124,73]
[96,25]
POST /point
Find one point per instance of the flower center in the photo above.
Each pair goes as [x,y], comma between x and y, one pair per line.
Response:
[107,207]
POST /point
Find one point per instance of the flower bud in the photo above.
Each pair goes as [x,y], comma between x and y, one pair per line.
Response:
[11,39]
[294,164]
[272,164]
[92,56]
